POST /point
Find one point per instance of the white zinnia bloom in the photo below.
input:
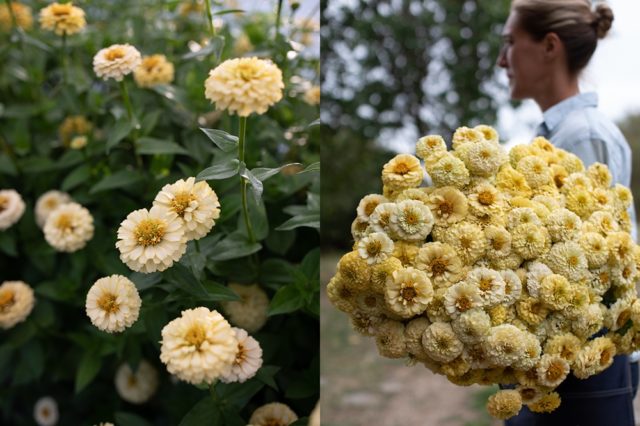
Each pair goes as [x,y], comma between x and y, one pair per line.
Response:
[138,387]
[11,208]
[368,204]
[248,359]
[151,240]
[536,272]
[195,203]
[412,220]
[69,227]
[375,247]
[273,414]
[461,297]
[45,412]
[16,303]
[250,312]
[113,303]
[380,219]
[116,61]
[199,346]
[408,292]
[490,283]
[47,203]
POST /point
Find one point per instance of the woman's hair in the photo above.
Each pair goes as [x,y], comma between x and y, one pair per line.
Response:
[573,21]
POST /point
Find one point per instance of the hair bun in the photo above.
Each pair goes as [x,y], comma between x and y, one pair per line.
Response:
[603,20]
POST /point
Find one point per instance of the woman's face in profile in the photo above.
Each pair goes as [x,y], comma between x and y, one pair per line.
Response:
[522,57]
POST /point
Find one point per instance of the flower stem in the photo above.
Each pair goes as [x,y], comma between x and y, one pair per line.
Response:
[65,73]
[212,28]
[278,15]
[133,119]
[243,182]
[13,16]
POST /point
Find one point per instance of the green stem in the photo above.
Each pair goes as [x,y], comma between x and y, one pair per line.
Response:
[65,72]
[210,18]
[133,119]
[278,14]
[13,16]
[243,182]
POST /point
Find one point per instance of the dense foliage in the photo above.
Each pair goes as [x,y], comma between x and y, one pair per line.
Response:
[129,156]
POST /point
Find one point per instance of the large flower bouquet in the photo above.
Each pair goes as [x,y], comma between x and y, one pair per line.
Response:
[504,270]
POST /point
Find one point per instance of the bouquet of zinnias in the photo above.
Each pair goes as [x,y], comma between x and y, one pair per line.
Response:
[515,268]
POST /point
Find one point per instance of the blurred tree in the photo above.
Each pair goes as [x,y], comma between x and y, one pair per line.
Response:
[630,126]
[427,66]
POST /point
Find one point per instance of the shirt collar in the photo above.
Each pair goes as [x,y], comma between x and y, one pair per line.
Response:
[554,115]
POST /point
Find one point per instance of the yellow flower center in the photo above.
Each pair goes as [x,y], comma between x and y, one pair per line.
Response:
[370,301]
[445,208]
[45,412]
[114,53]
[498,243]
[447,167]
[181,202]
[374,247]
[566,352]
[51,203]
[361,226]
[247,72]
[605,357]
[486,197]
[132,381]
[555,371]
[61,9]
[485,284]
[408,293]
[463,304]
[537,168]
[438,266]
[196,335]
[64,223]
[623,318]
[411,217]
[527,394]
[241,356]
[485,154]
[7,298]
[401,168]
[4,201]
[151,62]
[384,219]
[108,303]
[466,242]
[573,261]
[370,207]
[345,293]
[150,232]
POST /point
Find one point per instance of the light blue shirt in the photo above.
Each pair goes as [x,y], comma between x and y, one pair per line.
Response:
[577,126]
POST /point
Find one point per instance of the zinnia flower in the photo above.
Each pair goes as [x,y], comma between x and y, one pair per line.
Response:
[312,95]
[441,343]
[45,412]
[195,203]
[16,303]
[139,386]
[368,204]
[69,227]
[390,339]
[431,148]
[47,203]
[411,220]
[153,70]
[151,240]
[113,303]
[464,135]
[440,262]
[200,346]
[504,404]
[248,359]
[448,205]
[250,312]
[273,414]
[461,297]
[408,292]
[11,208]
[21,12]
[72,127]
[402,171]
[63,19]
[375,247]
[448,170]
[552,370]
[472,326]
[244,86]
[116,61]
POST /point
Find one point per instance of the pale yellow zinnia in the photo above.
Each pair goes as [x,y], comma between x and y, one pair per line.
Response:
[153,70]
[63,19]
[116,61]
[21,12]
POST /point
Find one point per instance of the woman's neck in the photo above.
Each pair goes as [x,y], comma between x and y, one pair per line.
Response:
[557,91]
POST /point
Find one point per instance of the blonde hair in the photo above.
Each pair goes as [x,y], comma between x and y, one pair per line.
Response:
[576,24]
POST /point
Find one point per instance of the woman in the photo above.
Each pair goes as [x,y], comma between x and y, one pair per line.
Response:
[547,44]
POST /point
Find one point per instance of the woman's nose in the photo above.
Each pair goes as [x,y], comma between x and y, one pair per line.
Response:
[502,59]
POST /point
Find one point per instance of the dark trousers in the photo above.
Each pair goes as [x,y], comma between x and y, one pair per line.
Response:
[605,399]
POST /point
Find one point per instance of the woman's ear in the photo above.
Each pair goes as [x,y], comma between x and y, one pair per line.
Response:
[552,46]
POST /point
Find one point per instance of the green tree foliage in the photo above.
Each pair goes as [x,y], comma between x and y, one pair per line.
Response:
[427,66]
[630,126]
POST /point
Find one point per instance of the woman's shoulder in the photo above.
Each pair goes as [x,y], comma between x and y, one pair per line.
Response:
[589,124]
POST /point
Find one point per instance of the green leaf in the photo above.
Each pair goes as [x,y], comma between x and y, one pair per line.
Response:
[314,123]
[76,177]
[172,93]
[258,219]
[154,320]
[219,292]
[220,170]
[263,173]
[311,220]
[204,412]
[276,273]
[87,370]
[266,375]
[287,299]
[118,132]
[224,12]
[315,167]
[254,183]
[222,139]
[234,246]
[184,279]
[151,146]
[310,265]
[33,41]
[239,394]
[145,281]
[280,242]
[30,365]
[37,165]
[129,419]
[119,179]
[6,166]
[8,244]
